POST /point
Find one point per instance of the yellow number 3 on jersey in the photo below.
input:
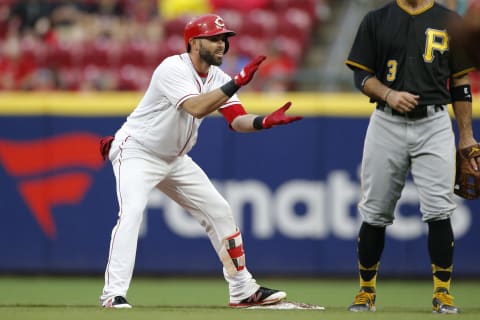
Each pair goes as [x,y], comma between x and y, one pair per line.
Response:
[392,70]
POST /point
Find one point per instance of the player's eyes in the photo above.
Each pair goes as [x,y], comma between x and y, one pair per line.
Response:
[216,39]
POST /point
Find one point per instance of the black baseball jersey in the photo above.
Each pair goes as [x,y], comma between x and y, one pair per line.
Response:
[410,51]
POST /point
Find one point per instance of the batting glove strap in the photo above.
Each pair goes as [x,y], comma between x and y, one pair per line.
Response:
[230,88]
[258,122]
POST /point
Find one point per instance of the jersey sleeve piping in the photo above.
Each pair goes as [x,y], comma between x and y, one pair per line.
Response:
[230,103]
[351,64]
[188,96]
[462,73]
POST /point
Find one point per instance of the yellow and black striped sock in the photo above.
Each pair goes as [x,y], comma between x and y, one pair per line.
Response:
[441,277]
[368,276]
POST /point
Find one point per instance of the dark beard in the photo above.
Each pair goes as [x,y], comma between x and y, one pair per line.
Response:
[210,58]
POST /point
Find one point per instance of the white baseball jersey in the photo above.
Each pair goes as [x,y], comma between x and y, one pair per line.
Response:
[158,122]
[160,133]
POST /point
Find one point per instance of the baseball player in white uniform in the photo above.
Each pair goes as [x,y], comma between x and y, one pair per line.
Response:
[150,151]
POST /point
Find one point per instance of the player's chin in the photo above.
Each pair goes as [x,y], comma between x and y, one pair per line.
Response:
[218,59]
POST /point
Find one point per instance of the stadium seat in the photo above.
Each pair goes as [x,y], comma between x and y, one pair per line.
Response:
[100,52]
[295,22]
[175,44]
[70,78]
[175,26]
[35,50]
[134,78]
[260,23]
[64,55]
[250,46]
[308,6]
[290,46]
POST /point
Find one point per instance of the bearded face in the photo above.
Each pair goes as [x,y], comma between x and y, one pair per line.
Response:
[211,49]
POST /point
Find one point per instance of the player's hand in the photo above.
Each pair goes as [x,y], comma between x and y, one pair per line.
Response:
[246,74]
[402,101]
[466,142]
[278,117]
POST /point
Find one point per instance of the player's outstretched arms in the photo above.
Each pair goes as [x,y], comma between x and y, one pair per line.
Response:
[204,104]
[251,122]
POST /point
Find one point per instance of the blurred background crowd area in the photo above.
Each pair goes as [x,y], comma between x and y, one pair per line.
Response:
[114,45]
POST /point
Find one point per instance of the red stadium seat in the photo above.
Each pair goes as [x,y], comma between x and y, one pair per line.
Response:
[101,53]
[34,50]
[308,6]
[295,23]
[64,55]
[290,46]
[175,26]
[175,44]
[133,53]
[250,46]
[70,78]
[260,23]
[134,78]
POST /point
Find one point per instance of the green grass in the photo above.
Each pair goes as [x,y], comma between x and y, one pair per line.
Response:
[72,298]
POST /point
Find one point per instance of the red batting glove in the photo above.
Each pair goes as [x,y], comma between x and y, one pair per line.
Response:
[105,144]
[278,117]
[246,74]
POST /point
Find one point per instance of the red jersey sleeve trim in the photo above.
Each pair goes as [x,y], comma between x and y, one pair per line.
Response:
[231,111]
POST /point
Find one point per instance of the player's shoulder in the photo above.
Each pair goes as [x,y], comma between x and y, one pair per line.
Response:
[380,13]
[445,14]
[176,60]
[441,8]
[171,64]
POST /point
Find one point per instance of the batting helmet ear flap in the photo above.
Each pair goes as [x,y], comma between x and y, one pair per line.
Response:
[227,45]
[189,47]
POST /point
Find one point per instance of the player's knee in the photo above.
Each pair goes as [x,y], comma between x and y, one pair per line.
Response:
[220,210]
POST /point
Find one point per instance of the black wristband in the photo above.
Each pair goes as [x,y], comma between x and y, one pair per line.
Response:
[258,123]
[461,93]
[230,88]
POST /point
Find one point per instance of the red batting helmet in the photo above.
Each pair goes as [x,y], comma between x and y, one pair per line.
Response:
[207,25]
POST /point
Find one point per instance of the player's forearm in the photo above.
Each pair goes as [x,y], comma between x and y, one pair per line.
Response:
[463,118]
[204,104]
[462,108]
[244,123]
[401,101]
[375,89]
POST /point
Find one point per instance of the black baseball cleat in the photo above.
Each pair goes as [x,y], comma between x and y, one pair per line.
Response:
[117,302]
[263,296]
